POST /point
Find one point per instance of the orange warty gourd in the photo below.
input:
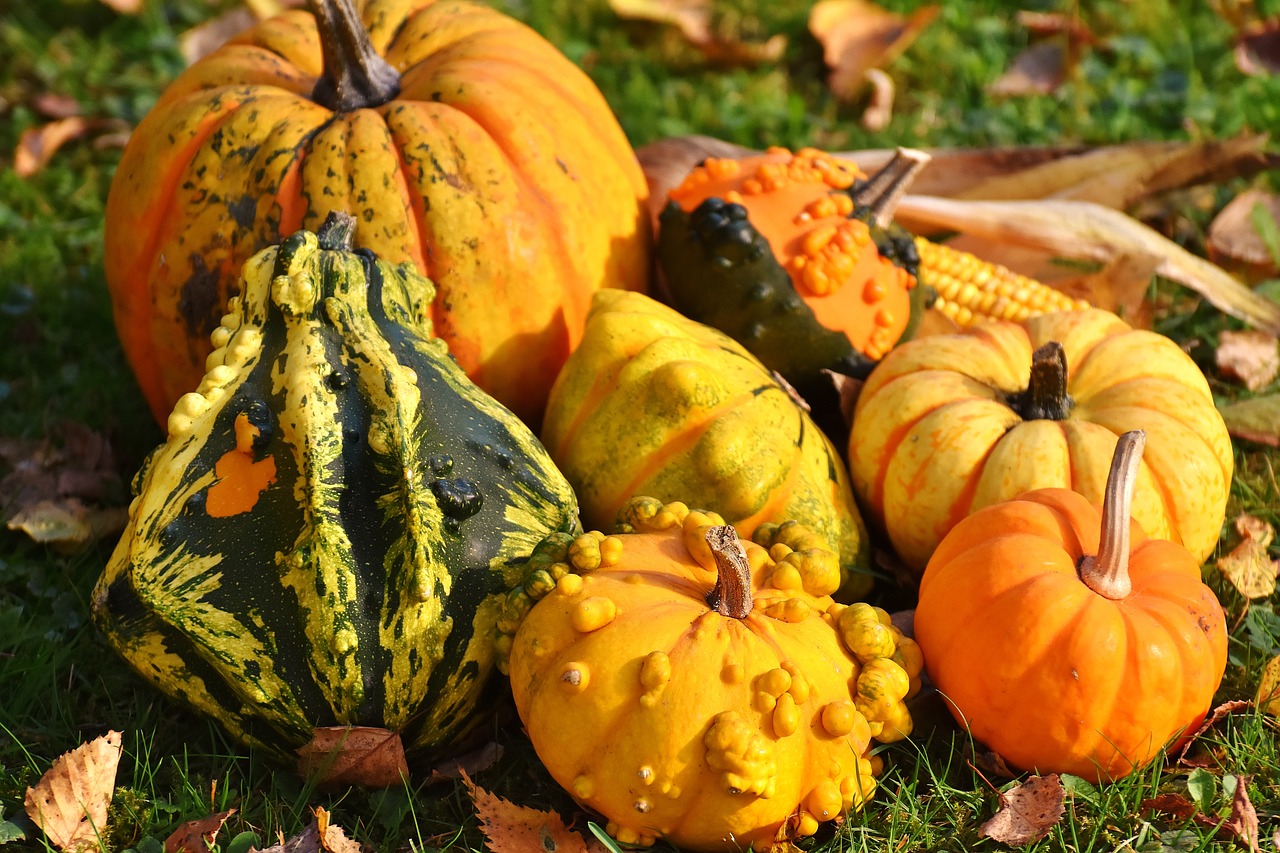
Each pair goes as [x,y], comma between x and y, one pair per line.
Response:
[1064,638]
[464,143]
[948,424]
[694,687]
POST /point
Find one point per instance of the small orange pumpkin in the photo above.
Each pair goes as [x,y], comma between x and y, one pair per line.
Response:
[1066,640]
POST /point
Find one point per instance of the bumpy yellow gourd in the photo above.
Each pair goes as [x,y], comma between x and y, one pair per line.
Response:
[697,688]
[653,403]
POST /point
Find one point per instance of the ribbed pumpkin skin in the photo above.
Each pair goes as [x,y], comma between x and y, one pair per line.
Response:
[499,171]
[935,436]
[327,534]
[653,403]
[1091,686]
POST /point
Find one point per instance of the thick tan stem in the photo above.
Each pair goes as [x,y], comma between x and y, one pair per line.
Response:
[883,191]
[355,76]
[1108,573]
[732,595]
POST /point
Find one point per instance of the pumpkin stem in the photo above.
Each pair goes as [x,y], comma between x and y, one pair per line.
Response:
[337,232]
[732,594]
[1108,573]
[1045,396]
[881,193]
[355,76]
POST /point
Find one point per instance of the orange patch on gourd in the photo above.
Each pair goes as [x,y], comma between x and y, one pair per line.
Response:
[241,480]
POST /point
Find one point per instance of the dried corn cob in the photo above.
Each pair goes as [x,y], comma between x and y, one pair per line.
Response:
[971,290]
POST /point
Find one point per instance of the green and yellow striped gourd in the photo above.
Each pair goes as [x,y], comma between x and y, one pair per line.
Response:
[327,535]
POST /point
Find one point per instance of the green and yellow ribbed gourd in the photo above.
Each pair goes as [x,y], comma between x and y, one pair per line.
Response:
[327,535]
[653,403]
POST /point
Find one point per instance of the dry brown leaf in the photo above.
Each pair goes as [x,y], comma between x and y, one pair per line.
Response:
[1256,419]
[64,490]
[1027,811]
[197,836]
[1249,566]
[68,523]
[993,765]
[55,105]
[204,38]
[1258,48]
[353,755]
[125,7]
[37,145]
[1038,70]
[857,35]
[693,19]
[320,836]
[1120,287]
[1251,356]
[70,802]
[469,762]
[1088,231]
[1056,23]
[1242,823]
[1223,710]
[519,829]
[1252,527]
[1114,175]
[1176,805]
[879,111]
[1233,238]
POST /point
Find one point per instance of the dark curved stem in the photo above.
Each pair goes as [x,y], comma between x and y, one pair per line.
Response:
[1046,394]
[355,76]
[732,595]
[1108,573]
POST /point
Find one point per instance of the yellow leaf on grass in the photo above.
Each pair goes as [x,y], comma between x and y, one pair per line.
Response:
[1268,695]
[321,836]
[1249,566]
[70,802]
[519,829]
[857,35]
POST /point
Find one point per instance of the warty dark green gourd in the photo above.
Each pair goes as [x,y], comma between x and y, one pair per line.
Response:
[326,536]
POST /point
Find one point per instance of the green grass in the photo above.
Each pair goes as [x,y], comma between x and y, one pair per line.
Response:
[1164,72]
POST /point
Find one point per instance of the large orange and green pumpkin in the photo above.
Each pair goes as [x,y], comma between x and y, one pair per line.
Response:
[328,535]
[462,141]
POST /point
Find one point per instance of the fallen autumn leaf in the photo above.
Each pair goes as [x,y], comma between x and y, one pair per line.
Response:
[1251,356]
[197,836]
[70,802]
[510,828]
[857,35]
[1027,811]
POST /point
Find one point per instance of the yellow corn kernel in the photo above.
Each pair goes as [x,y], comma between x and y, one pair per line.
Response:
[971,290]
